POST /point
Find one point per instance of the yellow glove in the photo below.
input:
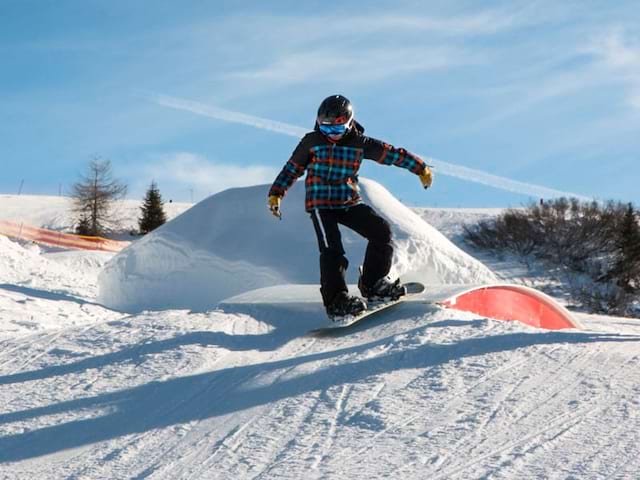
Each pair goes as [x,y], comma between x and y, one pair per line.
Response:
[426,177]
[274,205]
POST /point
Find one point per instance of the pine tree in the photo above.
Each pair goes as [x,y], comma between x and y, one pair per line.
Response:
[626,270]
[152,210]
[84,226]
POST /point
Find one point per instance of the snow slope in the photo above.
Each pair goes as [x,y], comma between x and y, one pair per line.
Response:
[55,213]
[243,391]
[229,244]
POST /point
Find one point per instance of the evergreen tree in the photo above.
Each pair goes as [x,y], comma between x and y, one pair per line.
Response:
[84,226]
[626,270]
[152,210]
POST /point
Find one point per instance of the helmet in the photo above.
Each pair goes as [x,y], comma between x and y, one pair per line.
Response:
[335,116]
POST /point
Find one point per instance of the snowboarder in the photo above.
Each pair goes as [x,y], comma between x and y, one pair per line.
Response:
[331,155]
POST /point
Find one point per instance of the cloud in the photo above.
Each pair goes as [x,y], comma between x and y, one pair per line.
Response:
[601,66]
[356,47]
[445,168]
[206,177]
[617,51]
[356,66]
[380,27]
[483,23]
[619,55]
[487,22]
[530,93]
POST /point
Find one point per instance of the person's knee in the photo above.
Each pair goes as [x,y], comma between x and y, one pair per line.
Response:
[334,258]
[382,234]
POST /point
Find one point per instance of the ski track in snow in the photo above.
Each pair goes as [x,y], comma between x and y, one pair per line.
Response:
[466,417]
[197,452]
[420,392]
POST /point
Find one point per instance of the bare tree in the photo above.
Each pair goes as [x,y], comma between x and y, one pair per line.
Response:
[93,197]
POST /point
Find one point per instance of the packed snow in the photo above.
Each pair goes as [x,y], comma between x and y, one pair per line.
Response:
[243,391]
[229,244]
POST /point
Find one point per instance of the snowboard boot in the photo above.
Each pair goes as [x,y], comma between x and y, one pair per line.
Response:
[344,305]
[384,290]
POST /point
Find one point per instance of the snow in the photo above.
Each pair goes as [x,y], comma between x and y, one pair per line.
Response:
[56,213]
[241,391]
[229,244]
[451,221]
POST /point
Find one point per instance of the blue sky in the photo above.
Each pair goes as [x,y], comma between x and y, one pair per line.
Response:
[544,94]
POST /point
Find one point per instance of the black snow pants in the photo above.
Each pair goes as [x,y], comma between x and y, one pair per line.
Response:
[366,222]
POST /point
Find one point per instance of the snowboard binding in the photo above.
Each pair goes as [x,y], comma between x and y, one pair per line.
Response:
[384,290]
[345,305]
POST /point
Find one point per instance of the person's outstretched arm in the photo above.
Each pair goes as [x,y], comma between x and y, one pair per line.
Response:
[292,170]
[386,154]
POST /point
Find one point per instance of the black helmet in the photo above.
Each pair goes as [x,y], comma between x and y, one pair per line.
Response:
[335,109]
[335,116]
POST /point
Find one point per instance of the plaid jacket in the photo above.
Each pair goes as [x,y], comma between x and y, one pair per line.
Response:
[332,168]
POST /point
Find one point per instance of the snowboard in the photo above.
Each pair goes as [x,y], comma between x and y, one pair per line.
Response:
[373,308]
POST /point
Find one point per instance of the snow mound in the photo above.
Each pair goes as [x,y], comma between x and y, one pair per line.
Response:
[28,266]
[229,244]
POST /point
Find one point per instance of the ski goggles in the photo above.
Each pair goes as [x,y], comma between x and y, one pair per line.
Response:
[334,129]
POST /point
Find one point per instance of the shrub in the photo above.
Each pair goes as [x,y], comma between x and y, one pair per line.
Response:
[599,241]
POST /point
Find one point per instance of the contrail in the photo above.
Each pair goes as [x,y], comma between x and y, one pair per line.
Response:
[502,183]
[228,115]
[444,168]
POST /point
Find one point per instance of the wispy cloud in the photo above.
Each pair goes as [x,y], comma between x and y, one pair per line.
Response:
[445,168]
[606,64]
[357,47]
[192,171]
[529,93]
[619,54]
[381,26]
[617,51]
[482,23]
[356,66]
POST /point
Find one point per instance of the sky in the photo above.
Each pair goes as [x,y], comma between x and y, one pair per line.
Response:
[509,101]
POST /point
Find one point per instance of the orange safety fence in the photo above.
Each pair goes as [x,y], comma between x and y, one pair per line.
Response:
[59,239]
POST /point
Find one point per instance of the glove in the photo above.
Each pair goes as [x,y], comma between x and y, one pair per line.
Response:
[274,205]
[426,177]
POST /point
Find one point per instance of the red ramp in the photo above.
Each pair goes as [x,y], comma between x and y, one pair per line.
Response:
[513,302]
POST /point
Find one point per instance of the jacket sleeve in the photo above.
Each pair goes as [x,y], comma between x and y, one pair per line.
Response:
[292,170]
[386,154]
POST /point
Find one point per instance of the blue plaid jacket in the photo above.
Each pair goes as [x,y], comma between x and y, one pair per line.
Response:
[332,168]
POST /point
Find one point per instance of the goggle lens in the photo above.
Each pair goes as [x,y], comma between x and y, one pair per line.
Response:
[339,129]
